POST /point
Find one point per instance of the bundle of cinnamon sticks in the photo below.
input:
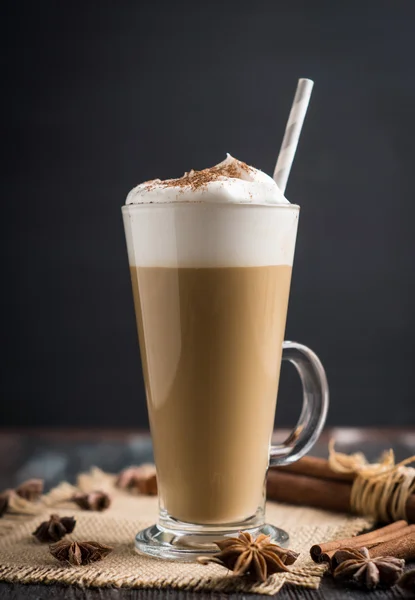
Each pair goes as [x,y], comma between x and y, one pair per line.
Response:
[311,482]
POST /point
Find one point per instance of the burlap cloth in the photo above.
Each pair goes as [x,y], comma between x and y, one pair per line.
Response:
[23,559]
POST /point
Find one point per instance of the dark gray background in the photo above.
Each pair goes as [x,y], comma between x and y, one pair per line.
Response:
[98,96]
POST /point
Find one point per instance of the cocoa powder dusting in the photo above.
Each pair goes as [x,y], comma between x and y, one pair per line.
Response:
[196,180]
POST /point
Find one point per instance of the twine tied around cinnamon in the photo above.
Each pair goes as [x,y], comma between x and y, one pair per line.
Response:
[379,489]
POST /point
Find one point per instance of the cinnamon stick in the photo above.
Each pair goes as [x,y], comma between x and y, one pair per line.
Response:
[401,547]
[327,494]
[400,544]
[309,491]
[312,466]
[323,552]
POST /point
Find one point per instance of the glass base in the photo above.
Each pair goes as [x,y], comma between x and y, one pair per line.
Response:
[174,544]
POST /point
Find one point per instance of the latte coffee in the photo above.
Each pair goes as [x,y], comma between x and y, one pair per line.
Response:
[210,257]
[211,343]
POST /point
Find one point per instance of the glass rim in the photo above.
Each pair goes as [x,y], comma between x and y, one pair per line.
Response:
[234,205]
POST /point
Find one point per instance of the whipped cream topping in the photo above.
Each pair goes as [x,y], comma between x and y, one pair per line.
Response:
[230,181]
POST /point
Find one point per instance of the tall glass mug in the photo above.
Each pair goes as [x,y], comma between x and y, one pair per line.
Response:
[211,285]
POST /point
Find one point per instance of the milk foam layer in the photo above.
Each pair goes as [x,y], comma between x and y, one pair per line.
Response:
[210,235]
[228,215]
[230,181]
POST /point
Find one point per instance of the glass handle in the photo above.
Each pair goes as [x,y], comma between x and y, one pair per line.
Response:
[315,405]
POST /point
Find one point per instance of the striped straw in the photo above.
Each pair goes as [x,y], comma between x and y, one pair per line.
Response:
[292,132]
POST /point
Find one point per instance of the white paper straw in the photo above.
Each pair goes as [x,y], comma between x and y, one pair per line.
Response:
[292,132]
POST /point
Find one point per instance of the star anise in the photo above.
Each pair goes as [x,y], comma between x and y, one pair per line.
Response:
[54,529]
[79,553]
[258,558]
[92,501]
[357,565]
[142,479]
[31,489]
[407,581]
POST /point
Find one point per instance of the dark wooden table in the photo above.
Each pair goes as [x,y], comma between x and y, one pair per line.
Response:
[60,455]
